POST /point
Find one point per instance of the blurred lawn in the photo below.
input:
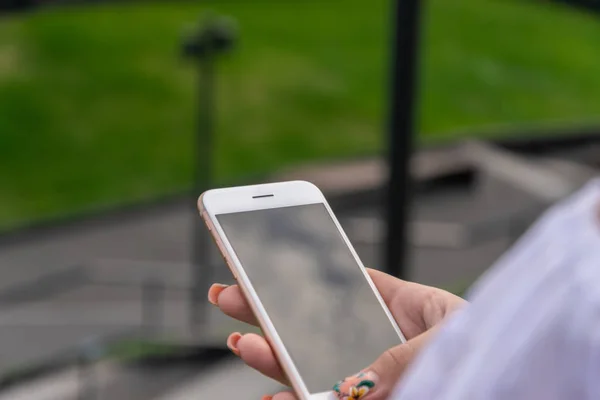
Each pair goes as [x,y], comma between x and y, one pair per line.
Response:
[97,107]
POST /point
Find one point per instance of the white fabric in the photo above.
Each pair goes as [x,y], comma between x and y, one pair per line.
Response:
[532,328]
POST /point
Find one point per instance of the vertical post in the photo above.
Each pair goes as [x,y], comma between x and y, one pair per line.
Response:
[202,273]
[214,37]
[401,126]
[519,223]
[91,352]
[86,380]
[153,293]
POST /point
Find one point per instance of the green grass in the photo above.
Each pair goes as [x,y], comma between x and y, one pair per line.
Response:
[97,106]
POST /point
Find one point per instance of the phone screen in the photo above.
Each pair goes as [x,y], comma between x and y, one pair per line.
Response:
[310,284]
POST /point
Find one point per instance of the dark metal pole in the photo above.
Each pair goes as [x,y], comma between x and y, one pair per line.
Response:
[401,131]
[86,380]
[202,274]
[90,353]
[213,38]
[153,301]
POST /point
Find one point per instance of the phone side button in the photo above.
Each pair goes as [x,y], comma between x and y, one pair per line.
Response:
[235,276]
[221,248]
[232,269]
[207,221]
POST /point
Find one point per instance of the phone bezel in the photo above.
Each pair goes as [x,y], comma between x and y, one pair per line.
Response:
[266,196]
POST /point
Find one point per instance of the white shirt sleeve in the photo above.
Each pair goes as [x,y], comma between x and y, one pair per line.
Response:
[532,328]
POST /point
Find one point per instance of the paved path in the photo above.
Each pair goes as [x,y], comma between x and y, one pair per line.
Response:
[61,385]
[229,379]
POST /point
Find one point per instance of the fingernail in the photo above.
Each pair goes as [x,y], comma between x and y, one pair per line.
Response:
[214,292]
[232,342]
[357,386]
[265,397]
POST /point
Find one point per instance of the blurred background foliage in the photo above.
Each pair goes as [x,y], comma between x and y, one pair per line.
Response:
[97,105]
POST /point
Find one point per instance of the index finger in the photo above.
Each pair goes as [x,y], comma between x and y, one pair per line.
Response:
[232,302]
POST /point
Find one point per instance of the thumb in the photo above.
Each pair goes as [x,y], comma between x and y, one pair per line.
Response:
[377,381]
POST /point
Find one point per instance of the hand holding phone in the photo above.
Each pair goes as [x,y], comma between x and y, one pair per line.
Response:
[323,314]
[419,307]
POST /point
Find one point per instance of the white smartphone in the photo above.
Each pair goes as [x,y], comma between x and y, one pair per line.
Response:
[315,302]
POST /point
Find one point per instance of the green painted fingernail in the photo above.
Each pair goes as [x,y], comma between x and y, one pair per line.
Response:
[357,386]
